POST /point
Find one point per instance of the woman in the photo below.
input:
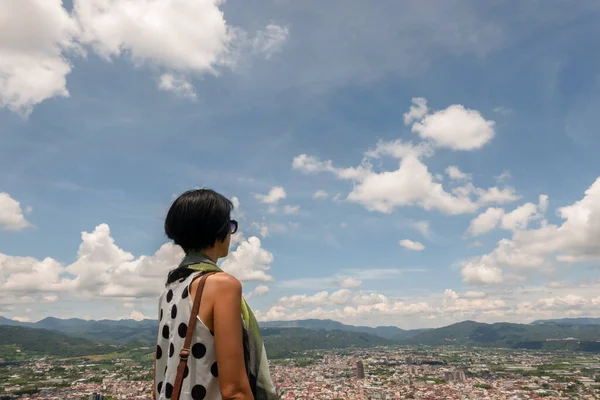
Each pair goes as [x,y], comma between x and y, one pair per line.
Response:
[225,357]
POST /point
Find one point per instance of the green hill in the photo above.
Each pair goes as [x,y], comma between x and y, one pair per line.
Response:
[387,332]
[551,337]
[284,337]
[16,340]
[282,342]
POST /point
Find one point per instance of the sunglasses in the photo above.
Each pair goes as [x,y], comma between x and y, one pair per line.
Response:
[233,226]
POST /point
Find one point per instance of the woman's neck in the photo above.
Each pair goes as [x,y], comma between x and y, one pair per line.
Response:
[212,254]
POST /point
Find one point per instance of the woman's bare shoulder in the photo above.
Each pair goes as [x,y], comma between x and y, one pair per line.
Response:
[224,281]
[219,283]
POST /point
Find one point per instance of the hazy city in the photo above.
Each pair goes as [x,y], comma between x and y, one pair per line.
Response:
[377,373]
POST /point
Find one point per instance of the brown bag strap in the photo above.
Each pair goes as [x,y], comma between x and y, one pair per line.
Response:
[185,351]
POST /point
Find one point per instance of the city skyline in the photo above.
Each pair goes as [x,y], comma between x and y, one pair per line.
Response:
[402,164]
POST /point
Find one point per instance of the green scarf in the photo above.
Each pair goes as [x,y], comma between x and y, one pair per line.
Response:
[255,354]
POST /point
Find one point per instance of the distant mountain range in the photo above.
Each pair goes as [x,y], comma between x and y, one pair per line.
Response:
[122,331]
[568,321]
[13,339]
[283,337]
[387,332]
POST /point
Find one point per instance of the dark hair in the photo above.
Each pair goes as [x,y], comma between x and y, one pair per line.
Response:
[198,218]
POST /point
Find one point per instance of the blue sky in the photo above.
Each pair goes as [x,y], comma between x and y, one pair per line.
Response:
[259,97]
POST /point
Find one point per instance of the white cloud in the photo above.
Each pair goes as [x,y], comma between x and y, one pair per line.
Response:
[474,295]
[455,173]
[412,184]
[480,274]
[456,128]
[178,85]
[270,40]
[400,149]
[51,298]
[21,319]
[486,221]
[518,219]
[276,194]
[350,282]
[34,34]
[249,262]
[103,270]
[320,195]
[536,251]
[417,110]
[410,245]
[182,35]
[291,210]
[515,304]
[503,111]
[543,203]
[179,35]
[264,230]
[260,290]
[11,214]
[138,316]
[495,195]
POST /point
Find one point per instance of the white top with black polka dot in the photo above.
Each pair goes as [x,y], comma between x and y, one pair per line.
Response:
[201,380]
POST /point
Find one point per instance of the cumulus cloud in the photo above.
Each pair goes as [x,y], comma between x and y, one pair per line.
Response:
[412,184]
[456,128]
[416,111]
[260,290]
[481,274]
[531,252]
[320,195]
[517,219]
[270,40]
[250,261]
[178,85]
[181,37]
[350,282]
[276,194]
[12,217]
[456,174]
[34,36]
[104,270]
[291,210]
[411,245]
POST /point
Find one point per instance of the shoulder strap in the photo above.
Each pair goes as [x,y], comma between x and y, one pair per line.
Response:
[185,351]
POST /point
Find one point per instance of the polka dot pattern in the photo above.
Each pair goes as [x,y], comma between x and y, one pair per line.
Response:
[198,392]
[200,376]
[198,350]
[182,330]
[168,390]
